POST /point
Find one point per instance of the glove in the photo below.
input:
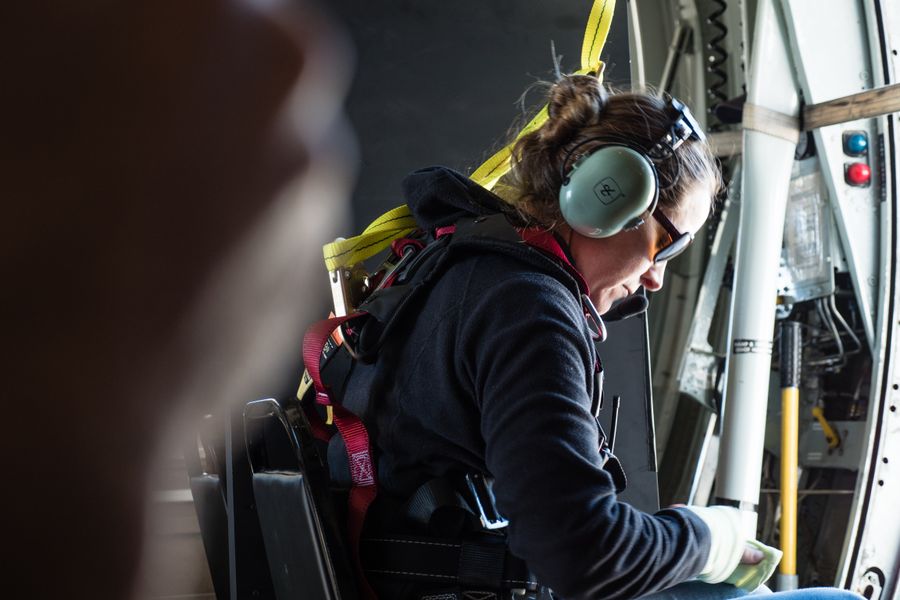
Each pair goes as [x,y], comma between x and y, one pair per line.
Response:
[750,577]
[727,541]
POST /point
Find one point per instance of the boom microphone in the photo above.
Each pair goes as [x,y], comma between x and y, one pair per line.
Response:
[627,307]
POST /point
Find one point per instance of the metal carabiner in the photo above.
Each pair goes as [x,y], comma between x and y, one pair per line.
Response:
[595,323]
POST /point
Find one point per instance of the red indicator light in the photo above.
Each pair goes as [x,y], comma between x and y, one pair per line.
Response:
[858,174]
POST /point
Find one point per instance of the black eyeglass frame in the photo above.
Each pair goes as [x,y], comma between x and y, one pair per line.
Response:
[680,239]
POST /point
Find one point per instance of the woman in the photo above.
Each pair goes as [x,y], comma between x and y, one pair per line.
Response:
[494,371]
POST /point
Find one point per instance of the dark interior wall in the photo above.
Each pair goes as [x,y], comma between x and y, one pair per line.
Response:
[437,82]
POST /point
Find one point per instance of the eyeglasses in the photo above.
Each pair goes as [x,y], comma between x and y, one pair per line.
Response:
[678,241]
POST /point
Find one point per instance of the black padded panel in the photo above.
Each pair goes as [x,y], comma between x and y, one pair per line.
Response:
[209,502]
[626,362]
[293,542]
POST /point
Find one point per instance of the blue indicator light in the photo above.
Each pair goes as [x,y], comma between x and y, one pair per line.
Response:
[856,143]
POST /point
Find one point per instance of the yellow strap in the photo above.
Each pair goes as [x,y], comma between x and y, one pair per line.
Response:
[595,35]
[399,222]
[306,382]
[376,237]
[498,165]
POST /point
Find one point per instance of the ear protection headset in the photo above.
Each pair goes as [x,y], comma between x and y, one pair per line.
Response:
[609,189]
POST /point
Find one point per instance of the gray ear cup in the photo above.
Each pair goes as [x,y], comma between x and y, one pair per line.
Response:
[608,191]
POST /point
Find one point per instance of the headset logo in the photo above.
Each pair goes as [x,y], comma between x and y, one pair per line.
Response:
[608,190]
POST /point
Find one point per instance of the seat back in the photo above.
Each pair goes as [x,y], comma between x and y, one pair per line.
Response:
[302,536]
[209,503]
[204,459]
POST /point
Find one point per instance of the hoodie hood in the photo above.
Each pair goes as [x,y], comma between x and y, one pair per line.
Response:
[438,196]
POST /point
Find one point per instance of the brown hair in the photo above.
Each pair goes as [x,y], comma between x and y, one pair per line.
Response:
[584,115]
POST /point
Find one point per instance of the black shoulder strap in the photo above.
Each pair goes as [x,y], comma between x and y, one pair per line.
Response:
[490,233]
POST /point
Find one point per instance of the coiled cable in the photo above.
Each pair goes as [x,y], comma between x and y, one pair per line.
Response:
[718,56]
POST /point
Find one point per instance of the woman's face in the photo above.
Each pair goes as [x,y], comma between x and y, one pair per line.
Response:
[615,267]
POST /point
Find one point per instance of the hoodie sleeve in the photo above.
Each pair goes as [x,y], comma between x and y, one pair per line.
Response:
[526,349]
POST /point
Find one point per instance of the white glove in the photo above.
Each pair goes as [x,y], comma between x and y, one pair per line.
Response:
[727,541]
[751,577]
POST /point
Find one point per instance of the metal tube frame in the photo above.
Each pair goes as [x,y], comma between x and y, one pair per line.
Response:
[768,160]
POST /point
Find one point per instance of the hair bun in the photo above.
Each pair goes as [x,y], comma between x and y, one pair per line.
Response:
[575,101]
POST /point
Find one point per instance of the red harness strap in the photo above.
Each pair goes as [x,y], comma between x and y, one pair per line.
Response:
[364,487]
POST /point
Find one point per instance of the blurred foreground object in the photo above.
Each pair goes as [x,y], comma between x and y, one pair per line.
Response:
[162,165]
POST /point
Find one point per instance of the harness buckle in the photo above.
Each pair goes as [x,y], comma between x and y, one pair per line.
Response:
[485,502]
[385,277]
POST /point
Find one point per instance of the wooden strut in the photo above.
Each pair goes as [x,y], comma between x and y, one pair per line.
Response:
[864,105]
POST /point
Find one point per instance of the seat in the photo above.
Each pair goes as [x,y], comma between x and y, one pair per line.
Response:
[301,532]
[206,473]
[221,485]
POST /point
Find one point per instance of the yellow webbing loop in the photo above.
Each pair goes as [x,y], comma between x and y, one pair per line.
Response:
[498,165]
[399,222]
[376,237]
[595,35]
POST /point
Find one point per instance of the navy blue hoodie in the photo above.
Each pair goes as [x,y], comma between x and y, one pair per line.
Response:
[494,373]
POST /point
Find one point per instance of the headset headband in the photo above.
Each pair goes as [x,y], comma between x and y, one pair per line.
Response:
[610,188]
[684,127]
